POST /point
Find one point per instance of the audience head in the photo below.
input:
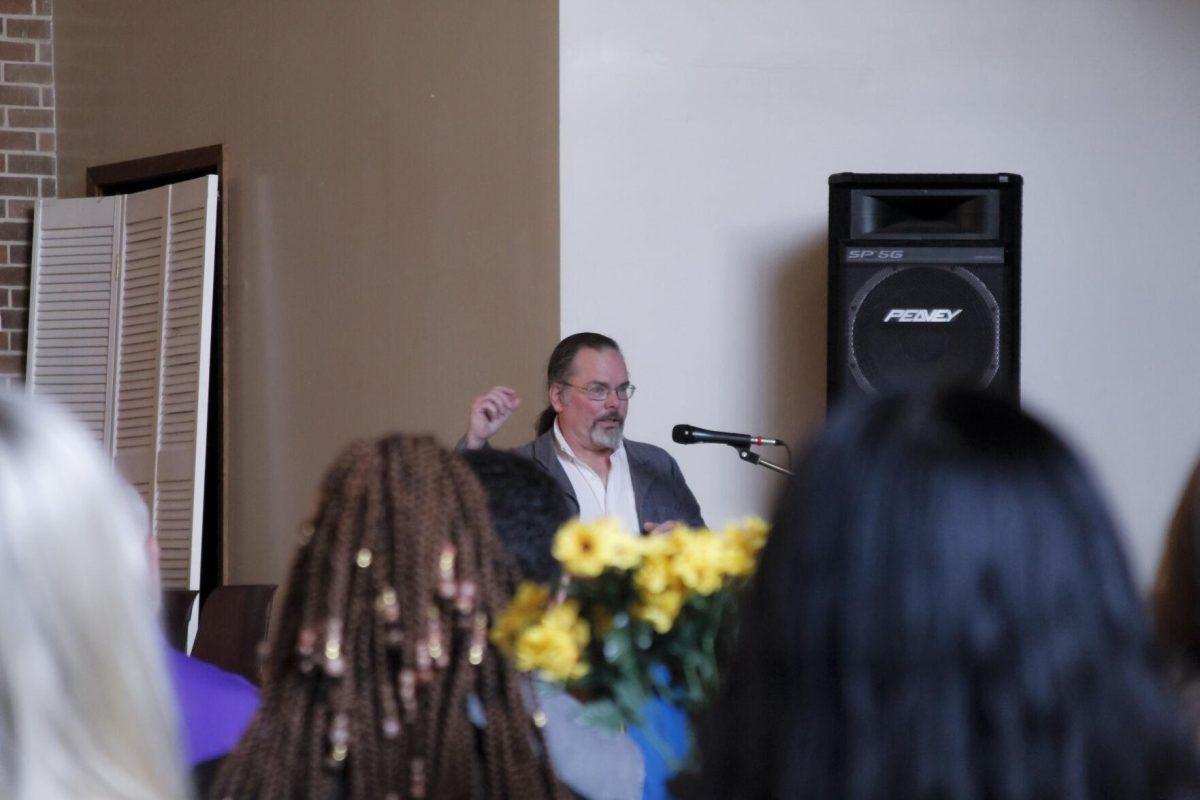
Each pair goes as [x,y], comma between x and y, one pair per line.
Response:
[526,507]
[943,611]
[1177,586]
[563,369]
[86,709]
[383,645]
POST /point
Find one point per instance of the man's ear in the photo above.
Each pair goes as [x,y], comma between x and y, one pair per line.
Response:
[556,398]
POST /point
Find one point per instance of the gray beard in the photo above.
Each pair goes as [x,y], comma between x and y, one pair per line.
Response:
[608,439]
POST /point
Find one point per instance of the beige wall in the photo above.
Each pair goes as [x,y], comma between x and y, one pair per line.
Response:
[696,140]
[391,210]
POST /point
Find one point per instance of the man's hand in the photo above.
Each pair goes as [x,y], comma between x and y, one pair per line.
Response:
[651,528]
[488,414]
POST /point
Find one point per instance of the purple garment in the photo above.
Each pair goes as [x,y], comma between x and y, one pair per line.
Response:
[215,706]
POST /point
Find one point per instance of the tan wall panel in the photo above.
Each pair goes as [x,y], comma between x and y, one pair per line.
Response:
[391,209]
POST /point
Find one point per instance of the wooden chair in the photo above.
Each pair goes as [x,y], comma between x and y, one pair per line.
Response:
[233,622]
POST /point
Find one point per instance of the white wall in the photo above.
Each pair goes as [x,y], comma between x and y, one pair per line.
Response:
[696,139]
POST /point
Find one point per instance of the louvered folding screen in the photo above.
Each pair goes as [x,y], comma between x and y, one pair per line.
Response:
[139,342]
[120,331]
[184,365]
[72,308]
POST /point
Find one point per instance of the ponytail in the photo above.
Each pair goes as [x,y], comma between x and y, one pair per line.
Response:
[545,420]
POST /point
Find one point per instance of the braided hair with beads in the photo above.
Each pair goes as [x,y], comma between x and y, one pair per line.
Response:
[383,646]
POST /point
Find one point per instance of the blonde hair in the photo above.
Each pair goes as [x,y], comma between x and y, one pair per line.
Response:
[85,704]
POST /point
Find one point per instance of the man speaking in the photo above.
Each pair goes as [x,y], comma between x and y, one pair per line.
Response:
[580,440]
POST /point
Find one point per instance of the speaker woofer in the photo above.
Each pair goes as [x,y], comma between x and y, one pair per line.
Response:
[923,325]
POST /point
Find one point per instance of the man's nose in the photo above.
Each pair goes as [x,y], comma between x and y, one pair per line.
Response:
[611,400]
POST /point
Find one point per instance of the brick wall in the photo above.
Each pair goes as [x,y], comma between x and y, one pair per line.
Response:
[27,161]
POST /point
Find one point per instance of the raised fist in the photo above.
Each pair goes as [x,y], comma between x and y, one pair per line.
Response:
[488,414]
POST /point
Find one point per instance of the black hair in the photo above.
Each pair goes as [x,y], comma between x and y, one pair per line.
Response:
[943,610]
[558,369]
[1176,595]
[527,508]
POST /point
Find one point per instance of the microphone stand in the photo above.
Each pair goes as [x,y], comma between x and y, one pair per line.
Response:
[750,457]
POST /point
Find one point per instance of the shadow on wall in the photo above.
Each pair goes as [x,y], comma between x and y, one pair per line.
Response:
[797,336]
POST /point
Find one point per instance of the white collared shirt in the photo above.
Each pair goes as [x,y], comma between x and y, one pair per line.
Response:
[597,500]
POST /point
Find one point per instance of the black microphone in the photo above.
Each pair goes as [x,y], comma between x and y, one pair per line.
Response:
[688,434]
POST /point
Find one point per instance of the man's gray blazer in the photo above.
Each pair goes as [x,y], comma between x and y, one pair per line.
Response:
[659,490]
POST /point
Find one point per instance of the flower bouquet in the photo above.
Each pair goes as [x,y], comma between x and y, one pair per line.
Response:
[636,618]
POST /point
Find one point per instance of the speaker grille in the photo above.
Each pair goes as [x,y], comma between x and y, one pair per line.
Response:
[922,326]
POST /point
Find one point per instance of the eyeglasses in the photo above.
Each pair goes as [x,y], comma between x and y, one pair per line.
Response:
[599,391]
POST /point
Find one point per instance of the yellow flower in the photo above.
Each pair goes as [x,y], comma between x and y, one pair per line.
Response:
[658,545]
[698,563]
[548,650]
[555,645]
[524,610]
[530,599]
[580,548]
[586,549]
[654,575]
[626,550]
[660,609]
[736,560]
[565,617]
[755,529]
[743,541]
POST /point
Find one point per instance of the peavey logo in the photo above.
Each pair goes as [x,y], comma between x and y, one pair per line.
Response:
[922,315]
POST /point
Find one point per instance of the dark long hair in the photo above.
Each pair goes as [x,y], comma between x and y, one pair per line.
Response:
[383,640]
[1176,596]
[943,611]
[527,509]
[558,369]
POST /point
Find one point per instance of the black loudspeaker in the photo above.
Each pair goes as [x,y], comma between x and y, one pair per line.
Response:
[924,283]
